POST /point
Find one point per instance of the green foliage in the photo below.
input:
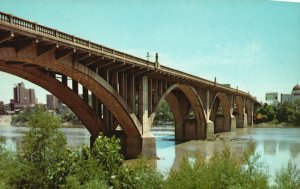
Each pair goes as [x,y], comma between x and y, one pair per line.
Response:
[297,119]
[2,108]
[142,174]
[24,116]
[267,112]
[46,162]
[69,116]
[288,177]
[101,163]
[164,113]
[222,171]
[43,150]
[9,165]
[285,112]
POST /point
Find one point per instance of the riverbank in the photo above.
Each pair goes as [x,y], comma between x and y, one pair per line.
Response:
[5,120]
[274,125]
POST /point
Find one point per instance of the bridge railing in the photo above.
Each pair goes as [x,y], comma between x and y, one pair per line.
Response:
[204,81]
[38,29]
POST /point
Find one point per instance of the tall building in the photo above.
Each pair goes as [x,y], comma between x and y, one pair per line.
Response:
[291,98]
[23,97]
[52,102]
[272,98]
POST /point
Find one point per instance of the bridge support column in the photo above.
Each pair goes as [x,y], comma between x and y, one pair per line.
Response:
[245,120]
[210,129]
[148,140]
[233,123]
[132,147]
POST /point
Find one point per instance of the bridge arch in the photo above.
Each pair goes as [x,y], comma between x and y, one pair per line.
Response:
[185,128]
[132,142]
[88,117]
[220,113]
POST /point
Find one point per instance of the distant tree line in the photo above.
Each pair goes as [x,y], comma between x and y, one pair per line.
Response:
[282,113]
[24,116]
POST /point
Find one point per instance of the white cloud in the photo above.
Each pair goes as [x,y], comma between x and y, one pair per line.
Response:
[293,1]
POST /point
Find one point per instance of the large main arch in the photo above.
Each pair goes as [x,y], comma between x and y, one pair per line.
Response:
[84,112]
[93,82]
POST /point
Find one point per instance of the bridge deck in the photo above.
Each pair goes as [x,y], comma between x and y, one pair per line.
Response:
[10,23]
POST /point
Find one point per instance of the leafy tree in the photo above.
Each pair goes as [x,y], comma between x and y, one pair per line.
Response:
[164,114]
[44,146]
[286,113]
[2,109]
[69,116]
[297,119]
[288,177]
[265,114]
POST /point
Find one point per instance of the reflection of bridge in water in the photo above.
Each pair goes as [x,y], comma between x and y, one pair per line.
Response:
[120,93]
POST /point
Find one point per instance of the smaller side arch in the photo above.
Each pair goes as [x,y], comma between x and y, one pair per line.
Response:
[198,125]
[220,113]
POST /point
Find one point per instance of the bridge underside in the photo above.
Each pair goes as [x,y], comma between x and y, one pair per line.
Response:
[116,93]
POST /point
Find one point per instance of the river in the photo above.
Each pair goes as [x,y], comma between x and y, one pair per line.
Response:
[276,146]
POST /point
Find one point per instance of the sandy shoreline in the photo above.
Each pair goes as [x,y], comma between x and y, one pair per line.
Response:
[5,120]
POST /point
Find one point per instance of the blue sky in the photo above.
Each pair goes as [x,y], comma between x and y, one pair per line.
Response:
[253,44]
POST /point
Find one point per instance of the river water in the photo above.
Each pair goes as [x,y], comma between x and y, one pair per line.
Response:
[276,146]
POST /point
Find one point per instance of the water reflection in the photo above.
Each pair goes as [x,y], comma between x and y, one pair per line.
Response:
[76,137]
[276,146]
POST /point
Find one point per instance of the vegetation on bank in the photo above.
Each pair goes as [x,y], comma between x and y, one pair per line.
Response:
[24,117]
[45,161]
[284,114]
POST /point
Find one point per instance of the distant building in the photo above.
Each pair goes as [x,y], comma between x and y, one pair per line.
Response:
[52,102]
[291,98]
[23,97]
[272,98]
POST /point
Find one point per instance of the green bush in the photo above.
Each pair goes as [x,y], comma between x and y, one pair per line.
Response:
[141,174]
[44,147]
[222,171]
[288,177]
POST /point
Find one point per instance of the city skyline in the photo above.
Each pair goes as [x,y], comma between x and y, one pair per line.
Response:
[250,44]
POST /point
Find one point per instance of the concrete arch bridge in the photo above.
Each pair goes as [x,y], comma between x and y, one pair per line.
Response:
[117,93]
